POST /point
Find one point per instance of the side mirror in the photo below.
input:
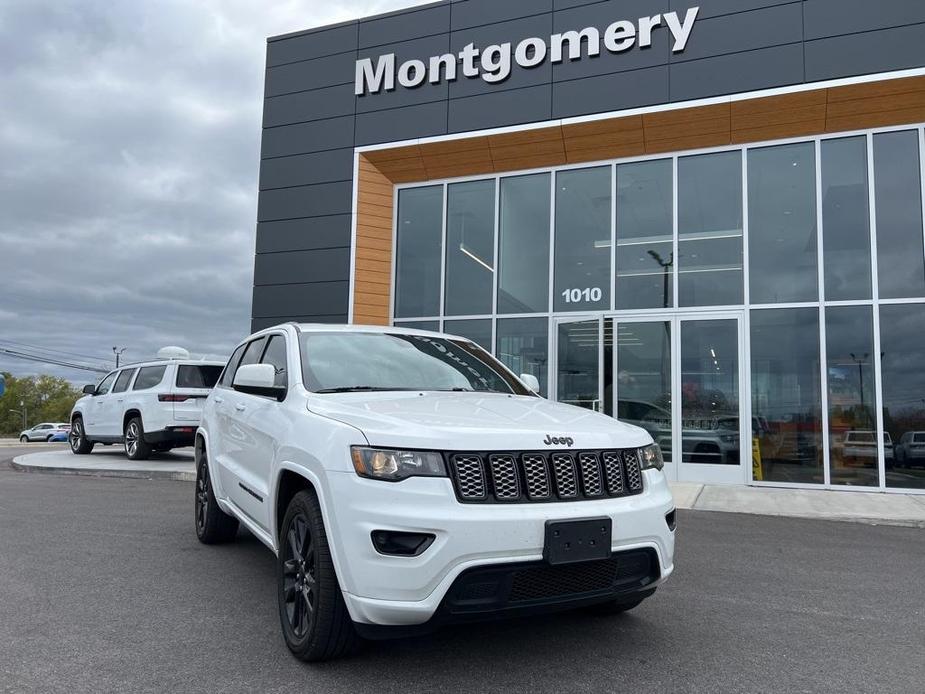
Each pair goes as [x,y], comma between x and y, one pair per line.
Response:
[90,390]
[258,379]
[531,381]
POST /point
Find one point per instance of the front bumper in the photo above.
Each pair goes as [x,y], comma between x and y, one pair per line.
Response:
[405,591]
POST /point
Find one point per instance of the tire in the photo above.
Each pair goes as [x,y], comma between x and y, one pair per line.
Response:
[315,622]
[48,439]
[134,440]
[77,438]
[24,439]
[213,526]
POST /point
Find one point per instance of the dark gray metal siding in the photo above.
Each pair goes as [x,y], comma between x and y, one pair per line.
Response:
[312,120]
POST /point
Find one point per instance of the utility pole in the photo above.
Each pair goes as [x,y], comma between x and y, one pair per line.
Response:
[118,352]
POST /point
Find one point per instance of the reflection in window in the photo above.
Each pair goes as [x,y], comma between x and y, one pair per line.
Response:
[846,219]
[710,229]
[431,325]
[853,451]
[645,249]
[903,369]
[420,228]
[583,243]
[523,346]
[782,224]
[523,246]
[787,395]
[479,331]
[644,379]
[898,185]
[470,248]
[578,361]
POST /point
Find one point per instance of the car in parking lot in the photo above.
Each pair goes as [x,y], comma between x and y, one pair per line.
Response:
[407,479]
[43,432]
[910,451]
[148,407]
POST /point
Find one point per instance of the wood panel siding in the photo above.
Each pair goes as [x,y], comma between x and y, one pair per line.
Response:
[802,114]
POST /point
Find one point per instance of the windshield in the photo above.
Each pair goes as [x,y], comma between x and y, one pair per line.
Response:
[344,362]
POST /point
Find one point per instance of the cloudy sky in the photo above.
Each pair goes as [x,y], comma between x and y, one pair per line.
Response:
[129,147]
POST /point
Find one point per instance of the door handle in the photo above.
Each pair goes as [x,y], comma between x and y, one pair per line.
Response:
[121,400]
[219,401]
[240,408]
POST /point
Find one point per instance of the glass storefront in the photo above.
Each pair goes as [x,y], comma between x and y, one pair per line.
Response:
[759,310]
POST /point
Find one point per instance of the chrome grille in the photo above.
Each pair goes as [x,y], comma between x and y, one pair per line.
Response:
[537,476]
[613,470]
[563,469]
[504,477]
[470,477]
[590,474]
[633,470]
[541,476]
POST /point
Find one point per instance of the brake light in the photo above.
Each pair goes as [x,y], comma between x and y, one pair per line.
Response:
[168,397]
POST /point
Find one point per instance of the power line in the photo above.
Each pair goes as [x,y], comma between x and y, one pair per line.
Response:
[54,351]
[47,360]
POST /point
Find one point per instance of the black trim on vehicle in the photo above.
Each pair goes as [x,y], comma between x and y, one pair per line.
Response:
[251,492]
[521,589]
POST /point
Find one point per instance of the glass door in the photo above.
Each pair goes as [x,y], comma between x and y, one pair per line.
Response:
[711,422]
[579,357]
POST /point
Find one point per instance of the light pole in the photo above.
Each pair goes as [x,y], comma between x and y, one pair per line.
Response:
[118,352]
[860,362]
[23,411]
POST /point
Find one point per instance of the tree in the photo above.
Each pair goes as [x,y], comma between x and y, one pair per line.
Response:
[46,399]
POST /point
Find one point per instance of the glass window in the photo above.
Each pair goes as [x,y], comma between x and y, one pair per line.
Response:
[275,355]
[231,367]
[710,392]
[645,249]
[644,379]
[149,377]
[479,331]
[782,224]
[523,246]
[523,346]
[253,352]
[578,361]
[898,186]
[583,239]
[846,219]
[417,257]
[197,375]
[787,395]
[345,362]
[903,369]
[123,381]
[106,383]
[470,248]
[431,325]
[710,230]
[853,451]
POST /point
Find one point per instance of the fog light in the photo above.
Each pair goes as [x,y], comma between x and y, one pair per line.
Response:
[398,544]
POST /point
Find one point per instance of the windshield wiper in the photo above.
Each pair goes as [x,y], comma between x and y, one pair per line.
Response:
[362,389]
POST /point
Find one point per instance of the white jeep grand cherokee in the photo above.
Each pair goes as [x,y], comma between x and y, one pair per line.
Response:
[407,479]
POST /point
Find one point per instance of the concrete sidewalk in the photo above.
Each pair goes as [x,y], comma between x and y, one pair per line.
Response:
[110,462]
[859,507]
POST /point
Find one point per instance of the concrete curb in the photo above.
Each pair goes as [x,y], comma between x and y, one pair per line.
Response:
[124,474]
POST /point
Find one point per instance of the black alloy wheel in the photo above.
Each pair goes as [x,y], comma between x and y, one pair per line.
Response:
[76,438]
[213,526]
[202,496]
[300,569]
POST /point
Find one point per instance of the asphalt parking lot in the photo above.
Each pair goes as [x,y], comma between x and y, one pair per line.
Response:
[103,587]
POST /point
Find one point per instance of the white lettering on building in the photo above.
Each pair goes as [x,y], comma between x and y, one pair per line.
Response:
[495,63]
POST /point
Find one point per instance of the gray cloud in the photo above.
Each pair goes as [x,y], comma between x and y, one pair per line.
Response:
[129,147]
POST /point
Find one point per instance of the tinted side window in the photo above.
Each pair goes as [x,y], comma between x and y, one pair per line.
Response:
[149,377]
[275,355]
[197,375]
[106,384]
[122,382]
[231,367]
[251,354]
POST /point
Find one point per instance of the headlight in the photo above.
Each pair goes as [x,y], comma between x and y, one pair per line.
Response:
[395,466]
[651,457]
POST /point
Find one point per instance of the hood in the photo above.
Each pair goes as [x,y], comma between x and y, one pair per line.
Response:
[474,422]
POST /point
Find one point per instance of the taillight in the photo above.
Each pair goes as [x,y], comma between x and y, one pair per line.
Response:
[168,397]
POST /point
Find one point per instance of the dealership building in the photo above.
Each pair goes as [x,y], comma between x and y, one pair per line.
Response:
[704,217]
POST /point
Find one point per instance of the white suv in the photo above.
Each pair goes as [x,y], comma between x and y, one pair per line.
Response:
[407,479]
[149,407]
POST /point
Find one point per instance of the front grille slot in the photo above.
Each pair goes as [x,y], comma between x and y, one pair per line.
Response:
[535,477]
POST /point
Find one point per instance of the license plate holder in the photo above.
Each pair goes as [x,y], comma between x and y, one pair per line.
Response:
[568,542]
